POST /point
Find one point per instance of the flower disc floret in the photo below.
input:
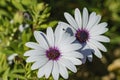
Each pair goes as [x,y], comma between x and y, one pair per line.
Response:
[82,35]
[53,53]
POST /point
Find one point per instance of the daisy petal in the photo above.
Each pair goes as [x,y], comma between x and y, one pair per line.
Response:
[50,36]
[90,57]
[55,72]
[96,51]
[34,45]
[98,32]
[67,63]
[102,25]
[58,34]
[98,45]
[85,17]
[40,37]
[73,54]
[34,58]
[48,68]
[93,20]
[78,17]
[63,71]
[98,19]
[39,64]
[70,20]
[84,60]
[98,27]
[101,38]
[75,61]
[41,72]
[34,53]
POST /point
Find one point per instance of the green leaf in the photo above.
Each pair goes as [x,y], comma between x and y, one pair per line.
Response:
[18,71]
[18,5]
[17,76]
[5,75]
[52,23]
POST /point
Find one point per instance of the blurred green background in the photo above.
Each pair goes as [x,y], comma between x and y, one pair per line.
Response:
[19,18]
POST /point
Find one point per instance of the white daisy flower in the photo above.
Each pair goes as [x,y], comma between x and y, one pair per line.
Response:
[11,21]
[11,58]
[22,27]
[54,53]
[87,30]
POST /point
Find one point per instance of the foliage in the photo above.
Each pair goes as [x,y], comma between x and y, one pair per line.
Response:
[38,15]
[14,16]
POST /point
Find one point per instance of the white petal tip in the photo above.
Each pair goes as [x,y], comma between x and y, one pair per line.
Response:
[27,44]
[90,59]
[35,31]
[80,63]
[33,68]
[85,8]
[108,40]
[25,54]
[49,27]
[66,77]
[75,71]
[106,23]
[27,61]
[105,50]
[66,14]
[76,9]
[60,23]
[99,57]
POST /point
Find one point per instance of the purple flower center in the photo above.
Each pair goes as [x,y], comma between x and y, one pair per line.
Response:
[53,54]
[82,35]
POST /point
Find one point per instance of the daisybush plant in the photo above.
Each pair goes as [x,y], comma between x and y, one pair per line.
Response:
[33,47]
[17,22]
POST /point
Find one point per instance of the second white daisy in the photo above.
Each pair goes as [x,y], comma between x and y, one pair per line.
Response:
[87,30]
